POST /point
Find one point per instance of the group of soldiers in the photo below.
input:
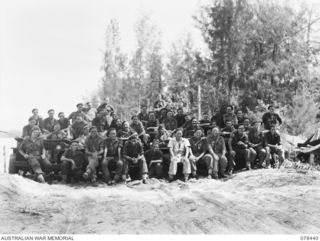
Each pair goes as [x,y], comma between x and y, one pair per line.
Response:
[161,143]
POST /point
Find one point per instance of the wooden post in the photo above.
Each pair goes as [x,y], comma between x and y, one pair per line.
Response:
[199,102]
[4,160]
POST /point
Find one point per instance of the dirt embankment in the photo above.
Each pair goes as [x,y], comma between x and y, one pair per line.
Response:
[261,201]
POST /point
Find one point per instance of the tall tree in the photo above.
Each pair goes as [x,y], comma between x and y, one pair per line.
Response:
[146,63]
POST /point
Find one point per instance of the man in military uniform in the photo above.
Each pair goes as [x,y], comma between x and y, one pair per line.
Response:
[179,152]
[112,155]
[32,149]
[239,150]
[134,155]
[198,153]
[73,163]
[94,150]
[217,149]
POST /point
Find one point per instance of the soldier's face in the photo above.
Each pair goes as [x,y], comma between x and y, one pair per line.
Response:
[113,134]
[271,109]
[56,128]
[179,134]
[86,131]
[32,122]
[240,129]
[228,123]
[61,116]
[229,110]
[215,131]
[35,133]
[135,120]
[198,133]
[74,146]
[152,117]
[94,132]
[156,146]
[51,114]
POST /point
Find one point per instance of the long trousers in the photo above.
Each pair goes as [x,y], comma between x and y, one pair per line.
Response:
[38,164]
[106,165]
[206,159]
[174,165]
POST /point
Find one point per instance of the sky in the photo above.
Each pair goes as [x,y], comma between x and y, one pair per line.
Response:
[51,51]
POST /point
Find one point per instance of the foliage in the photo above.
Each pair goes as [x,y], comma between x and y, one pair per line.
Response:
[259,53]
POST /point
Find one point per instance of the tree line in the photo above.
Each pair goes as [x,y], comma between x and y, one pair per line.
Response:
[258,52]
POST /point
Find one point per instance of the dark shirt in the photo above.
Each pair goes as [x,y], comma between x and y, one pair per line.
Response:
[112,147]
[152,154]
[143,118]
[190,131]
[236,137]
[125,134]
[73,115]
[27,130]
[94,143]
[198,146]
[104,106]
[32,147]
[77,129]
[240,119]
[170,124]
[64,123]
[230,117]
[78,157]
[137,127]
[133,150]
[205,125]
[272,139]
[218,119]
[217,144]
[269,119]
[101,124]
[255,137]
[180,120]
[152,123]
[230,129]
[49,123]
[114,124]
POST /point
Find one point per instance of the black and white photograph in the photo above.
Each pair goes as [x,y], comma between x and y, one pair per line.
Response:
[161,117]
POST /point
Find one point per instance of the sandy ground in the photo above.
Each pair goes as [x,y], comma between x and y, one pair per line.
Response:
[284,201]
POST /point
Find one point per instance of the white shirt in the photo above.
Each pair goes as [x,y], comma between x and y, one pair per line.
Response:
[179,147]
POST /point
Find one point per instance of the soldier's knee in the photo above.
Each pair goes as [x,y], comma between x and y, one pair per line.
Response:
[119,163]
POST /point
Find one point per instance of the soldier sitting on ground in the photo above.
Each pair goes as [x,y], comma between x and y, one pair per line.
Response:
[73,164]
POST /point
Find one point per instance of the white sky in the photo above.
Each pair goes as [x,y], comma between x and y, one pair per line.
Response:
[51,51]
